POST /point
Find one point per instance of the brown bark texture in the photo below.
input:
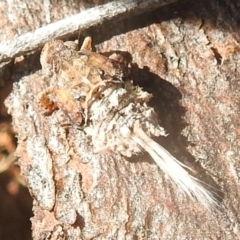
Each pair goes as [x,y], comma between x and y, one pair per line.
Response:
[187,55]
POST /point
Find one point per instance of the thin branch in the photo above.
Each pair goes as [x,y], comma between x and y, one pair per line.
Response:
[71,25]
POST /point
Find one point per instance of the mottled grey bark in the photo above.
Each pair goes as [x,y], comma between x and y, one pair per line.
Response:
[187,55]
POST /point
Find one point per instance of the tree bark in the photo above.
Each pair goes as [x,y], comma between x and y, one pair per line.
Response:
[75,24]
[185,54]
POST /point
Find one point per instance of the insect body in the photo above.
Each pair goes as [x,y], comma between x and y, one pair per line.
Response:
[89,88]
[78,77]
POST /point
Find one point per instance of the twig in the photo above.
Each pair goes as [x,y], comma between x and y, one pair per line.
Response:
[70,25]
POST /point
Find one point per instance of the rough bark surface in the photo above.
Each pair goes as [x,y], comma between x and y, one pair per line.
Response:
[75,24]
[187,56]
